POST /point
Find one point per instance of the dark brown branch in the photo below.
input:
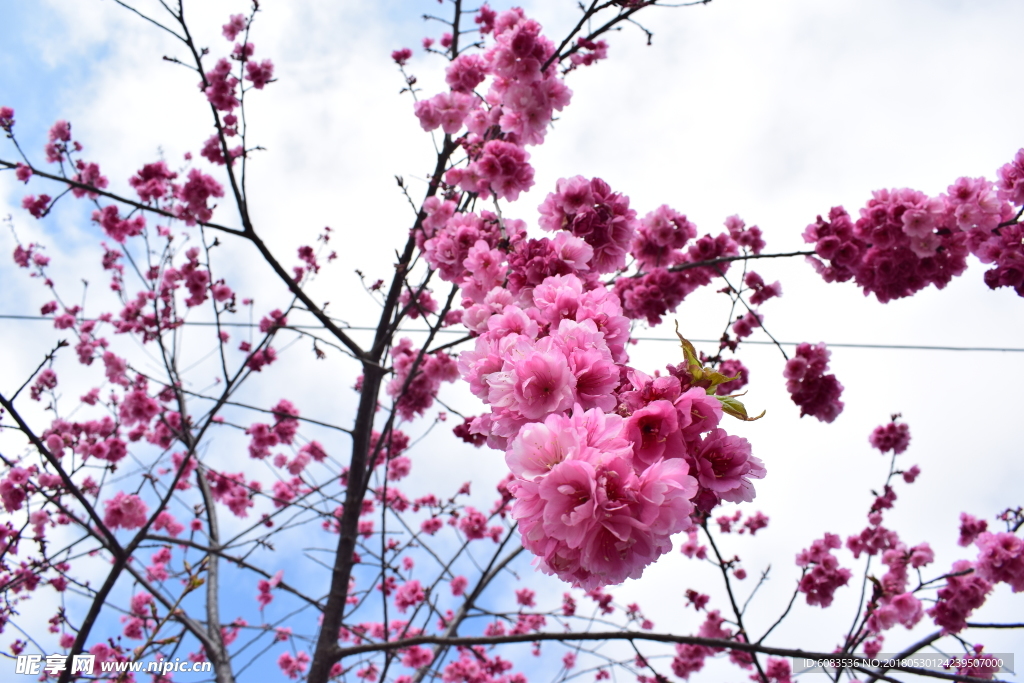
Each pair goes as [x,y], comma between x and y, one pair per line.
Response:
[586,15]
[796,592]
[732,600]
[468,641]
[243,210]
[326,652]
[739,295]
[110,541]
[149,19]
[923,643]
[728,259]
[118,198]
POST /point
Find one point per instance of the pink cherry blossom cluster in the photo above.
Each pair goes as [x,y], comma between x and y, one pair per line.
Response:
[590,210]
[964,592]
[1001,559]
[689,659]
[673,274]
[514,113]
[979,664]
[893,604]
[607,462]
[905,240]
[265,437]
[893,436]
[967,584]
[823,575]
[598,493]
[6,119]
[815,392]
[415,394]
[153,183]
[585,509]
[449,239]
[125,511]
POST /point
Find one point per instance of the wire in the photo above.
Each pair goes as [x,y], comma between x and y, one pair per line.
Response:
[841,345]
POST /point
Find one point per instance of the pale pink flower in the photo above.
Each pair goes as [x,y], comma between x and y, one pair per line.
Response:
[558,297]
[665,490]
[445,110]
[511,320]
[597,377]
[540,446]
[569,493]
[125,511]
[543,381]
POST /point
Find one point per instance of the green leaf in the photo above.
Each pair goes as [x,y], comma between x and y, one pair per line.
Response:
[733,406]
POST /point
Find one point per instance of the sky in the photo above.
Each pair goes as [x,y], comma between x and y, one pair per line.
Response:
[772,110]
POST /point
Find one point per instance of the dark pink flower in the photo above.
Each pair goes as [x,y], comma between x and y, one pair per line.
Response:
[152,181]
[723,464]
[970,529]
[815,392]
[401,56]
[195,194]
[1011,179]
[260,73]
[38,207]
[293,667]
[893,436]
[7,118]
[88,174]
[236,24]
[220,86]
[1001,559]
[964,592]
[823,575]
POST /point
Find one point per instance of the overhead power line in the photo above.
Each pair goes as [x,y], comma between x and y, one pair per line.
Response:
[841,345]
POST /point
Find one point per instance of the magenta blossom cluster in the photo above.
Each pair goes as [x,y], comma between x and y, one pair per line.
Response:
[608,463]
[823,575]
[905,240]
[964,592]
[586,507]
[815,392]
[591,211]
[189,201]
[515,111]
[416,393]
[893,436]
[668,274]
[893,603]
[689,659]
[1000,560]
